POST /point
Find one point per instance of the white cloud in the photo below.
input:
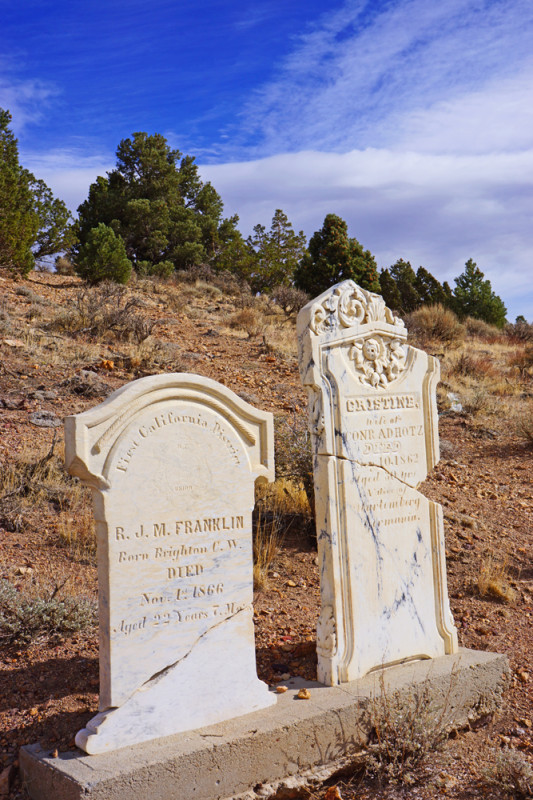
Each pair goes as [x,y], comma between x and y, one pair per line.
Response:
[364,68]
[434,210]
[67,172]
[496,118]
[26,100]
[413,120]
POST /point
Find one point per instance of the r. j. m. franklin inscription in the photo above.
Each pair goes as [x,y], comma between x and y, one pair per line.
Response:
[172,461]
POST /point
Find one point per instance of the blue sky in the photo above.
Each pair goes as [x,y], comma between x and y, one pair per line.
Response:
[411,119]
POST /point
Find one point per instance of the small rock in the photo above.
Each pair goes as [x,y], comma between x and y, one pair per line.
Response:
[522,675]
[447,448]
[304,694]
[45,419]
[13,342]
[5,781]
[291,583]
[12,403]
[281,689]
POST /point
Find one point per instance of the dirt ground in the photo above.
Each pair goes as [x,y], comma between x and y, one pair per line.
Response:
[48,687]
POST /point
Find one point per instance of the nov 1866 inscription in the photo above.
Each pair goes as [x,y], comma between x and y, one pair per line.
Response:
[172,461]
[373,422]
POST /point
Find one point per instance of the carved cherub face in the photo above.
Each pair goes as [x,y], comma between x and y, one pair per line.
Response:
[371,349]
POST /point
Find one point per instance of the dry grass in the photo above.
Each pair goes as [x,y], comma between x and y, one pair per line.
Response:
[521,360]
[150,357]
[430,325]
[248,319]
[107,312]
[76,526]
[482,379]
[280,340]
[494,581]
[525,423]
[478,329]
[480,367]
[283,496]
[294,460]
[267,542]
[29,481]
[281,508]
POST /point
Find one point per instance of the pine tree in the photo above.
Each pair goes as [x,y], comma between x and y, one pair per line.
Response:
[429,289]
[277,251]
[404,277]
[473,297]
[333,257]
[389,290]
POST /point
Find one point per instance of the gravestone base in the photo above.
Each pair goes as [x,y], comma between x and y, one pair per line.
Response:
[290,743]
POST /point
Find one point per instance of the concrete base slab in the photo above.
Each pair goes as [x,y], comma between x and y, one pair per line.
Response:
[255,754]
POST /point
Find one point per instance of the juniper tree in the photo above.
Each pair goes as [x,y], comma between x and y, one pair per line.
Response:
[156,202]
[33,224]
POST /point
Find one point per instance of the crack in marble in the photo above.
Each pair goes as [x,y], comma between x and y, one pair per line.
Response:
[376,466]
[154,679]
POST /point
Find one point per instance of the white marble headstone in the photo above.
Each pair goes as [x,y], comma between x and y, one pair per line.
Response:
[172,461]
[373,421]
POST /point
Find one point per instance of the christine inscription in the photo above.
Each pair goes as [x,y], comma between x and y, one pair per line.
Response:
[373,423]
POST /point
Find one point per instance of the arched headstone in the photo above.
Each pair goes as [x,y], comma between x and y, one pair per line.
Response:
[172,461]
[373,421]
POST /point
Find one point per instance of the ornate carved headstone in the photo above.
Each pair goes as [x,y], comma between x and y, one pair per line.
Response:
[373,422]
[172,461]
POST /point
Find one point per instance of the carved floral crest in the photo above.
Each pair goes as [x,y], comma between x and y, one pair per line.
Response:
[378,360]
[346,305]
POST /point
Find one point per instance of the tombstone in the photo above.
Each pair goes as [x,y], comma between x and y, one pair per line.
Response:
[172,461]
[373,422]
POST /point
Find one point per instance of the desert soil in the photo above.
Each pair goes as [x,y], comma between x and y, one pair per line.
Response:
[48,688]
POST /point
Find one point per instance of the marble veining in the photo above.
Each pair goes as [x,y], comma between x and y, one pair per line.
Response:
[373,424]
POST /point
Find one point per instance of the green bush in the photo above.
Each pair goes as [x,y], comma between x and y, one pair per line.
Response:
[103,257]
[24,619]
[510,774]
[405,732]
